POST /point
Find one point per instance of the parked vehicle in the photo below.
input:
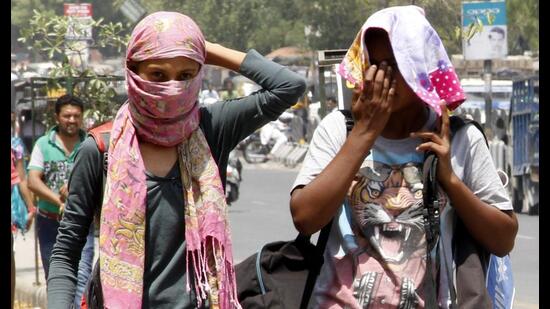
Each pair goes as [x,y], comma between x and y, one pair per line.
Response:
[267,140]
[253,150]
[524,119]
[233,177]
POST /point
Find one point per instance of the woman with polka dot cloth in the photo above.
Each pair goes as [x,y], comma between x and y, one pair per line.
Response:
[370,179]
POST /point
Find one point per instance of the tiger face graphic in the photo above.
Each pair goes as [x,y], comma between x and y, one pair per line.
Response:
[387,202]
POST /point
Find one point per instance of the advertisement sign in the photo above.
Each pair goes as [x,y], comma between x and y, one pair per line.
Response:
[79,33]
[80,18]
[78,9]
[492,42]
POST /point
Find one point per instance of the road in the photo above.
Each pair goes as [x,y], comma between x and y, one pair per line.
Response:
[262,215]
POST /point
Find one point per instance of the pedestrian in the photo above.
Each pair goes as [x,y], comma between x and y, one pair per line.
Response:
[332,104]
[209,95]
[376,253]
[14,181]
[229,91]
[274,131]
[49,168]
[164,235]
[18,179]
[19,152]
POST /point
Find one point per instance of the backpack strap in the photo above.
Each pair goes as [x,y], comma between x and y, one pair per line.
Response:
[349,119]
[102,134]
[470,251]
[323,236]
[457,122]
[316,269]
[430,214]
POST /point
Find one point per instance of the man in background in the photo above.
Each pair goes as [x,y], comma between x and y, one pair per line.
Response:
[50,165]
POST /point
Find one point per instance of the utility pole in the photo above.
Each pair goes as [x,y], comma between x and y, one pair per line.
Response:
[487,77]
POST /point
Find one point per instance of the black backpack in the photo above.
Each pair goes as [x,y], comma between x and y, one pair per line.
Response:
[282,274]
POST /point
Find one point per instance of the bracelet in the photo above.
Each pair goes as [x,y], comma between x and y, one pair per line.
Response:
[31,209]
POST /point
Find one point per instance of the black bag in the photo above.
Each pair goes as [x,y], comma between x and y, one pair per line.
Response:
[281,274]
[471,259]
[93,294]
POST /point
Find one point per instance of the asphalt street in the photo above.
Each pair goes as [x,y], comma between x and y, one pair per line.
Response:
[262,215]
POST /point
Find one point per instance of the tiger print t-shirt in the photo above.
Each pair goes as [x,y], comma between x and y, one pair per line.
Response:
[376,252]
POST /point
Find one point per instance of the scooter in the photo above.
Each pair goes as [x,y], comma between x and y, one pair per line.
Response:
[233,177]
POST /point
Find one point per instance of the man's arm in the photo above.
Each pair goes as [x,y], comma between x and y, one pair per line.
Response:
[38,187]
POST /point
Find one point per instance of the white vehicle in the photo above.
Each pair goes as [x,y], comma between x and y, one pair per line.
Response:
[475,89]
[41,69]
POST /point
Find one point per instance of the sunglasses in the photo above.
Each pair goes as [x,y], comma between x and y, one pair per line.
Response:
[380,172]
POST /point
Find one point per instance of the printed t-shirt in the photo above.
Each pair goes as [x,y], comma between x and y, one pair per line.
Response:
[49,157]
[376,253]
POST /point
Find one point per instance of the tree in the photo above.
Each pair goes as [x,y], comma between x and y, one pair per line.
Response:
[46,32]
[314,24]
[333,24]
[22,12]
[523,25]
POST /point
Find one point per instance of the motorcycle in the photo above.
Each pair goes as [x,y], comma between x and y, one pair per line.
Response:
[253,149]
[275,133]
[233,177]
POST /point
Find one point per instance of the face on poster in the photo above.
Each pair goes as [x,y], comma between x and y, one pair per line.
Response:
[492,42]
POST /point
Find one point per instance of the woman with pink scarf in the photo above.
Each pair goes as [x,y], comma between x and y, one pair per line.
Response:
[371,180]
[164,234]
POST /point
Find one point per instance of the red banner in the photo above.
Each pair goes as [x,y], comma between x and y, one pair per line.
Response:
[78,9]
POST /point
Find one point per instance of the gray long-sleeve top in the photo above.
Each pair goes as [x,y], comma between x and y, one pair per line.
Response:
[224,124]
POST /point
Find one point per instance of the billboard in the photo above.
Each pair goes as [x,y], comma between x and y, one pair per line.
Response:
[492,42]
[80,18]
[79,32]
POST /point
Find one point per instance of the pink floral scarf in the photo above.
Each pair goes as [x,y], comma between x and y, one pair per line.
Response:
[419,53]
[165,114]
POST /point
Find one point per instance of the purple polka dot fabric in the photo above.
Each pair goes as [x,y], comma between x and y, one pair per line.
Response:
[419,53]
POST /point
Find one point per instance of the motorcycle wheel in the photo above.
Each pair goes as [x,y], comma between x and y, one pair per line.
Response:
[253,152]
[233,193]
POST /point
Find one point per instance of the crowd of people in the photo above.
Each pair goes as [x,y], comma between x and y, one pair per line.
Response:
[157,186]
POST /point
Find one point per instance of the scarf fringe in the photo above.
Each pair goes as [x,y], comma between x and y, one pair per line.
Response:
[223,270]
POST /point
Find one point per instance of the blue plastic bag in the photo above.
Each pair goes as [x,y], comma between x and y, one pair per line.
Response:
[18,210]
[500,282]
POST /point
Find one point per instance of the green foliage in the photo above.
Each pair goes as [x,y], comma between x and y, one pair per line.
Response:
[334,24]
[523,25]
[46,33]
[329,24]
